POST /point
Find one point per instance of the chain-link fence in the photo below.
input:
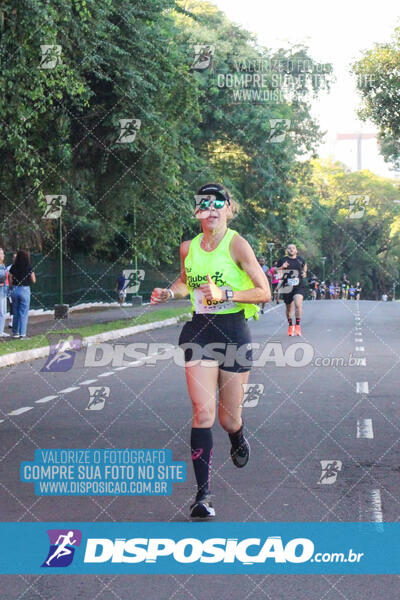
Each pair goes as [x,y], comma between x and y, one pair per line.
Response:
[87,280]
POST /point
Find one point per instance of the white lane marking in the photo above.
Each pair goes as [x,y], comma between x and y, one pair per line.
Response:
[68,390]
[364,429]
[137,362]
[1,420]
[375,501]
[120,368]
[19,411]
[360,349]
[45,399]
[88,381]
[362,362]
[357,340]
[362,387]
[107,374]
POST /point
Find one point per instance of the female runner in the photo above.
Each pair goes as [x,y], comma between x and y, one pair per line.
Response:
[225,282]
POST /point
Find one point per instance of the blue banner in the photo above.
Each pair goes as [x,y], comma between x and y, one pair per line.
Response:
[223,548]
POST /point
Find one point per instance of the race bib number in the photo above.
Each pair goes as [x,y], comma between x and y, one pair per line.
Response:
[289,280]
[293,281]
[204,306]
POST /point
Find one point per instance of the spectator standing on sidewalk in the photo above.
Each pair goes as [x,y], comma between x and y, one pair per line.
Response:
[21,277]
[120,288]
[3,294]
[9,291]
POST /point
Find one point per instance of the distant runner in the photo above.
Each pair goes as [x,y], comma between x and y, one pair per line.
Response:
[292,287]
[274,281]
[358,290]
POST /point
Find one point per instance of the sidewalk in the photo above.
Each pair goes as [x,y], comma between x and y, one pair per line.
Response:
[40,324]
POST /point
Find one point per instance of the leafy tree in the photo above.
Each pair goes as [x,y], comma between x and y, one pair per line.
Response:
[378,81]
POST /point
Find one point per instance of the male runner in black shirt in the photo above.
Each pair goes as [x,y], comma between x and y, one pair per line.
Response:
[292,286]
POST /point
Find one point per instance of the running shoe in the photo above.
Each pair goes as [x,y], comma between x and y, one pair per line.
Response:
[240,456]
[297,329]
[202,509]
[290,330]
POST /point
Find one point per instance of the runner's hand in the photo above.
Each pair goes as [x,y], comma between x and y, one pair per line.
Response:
[285,265]
[159,295]
[212,291]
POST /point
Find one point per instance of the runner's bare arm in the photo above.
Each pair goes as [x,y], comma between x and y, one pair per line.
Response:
[245,258]
[179,288]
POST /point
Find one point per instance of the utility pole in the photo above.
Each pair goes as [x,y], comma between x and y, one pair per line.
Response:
[359,137]
[323,267]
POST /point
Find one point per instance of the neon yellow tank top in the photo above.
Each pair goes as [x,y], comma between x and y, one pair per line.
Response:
[223,271]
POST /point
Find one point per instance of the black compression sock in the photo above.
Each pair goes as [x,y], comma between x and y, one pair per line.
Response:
[290,322]
[237,438]
[202,447]
[297,321]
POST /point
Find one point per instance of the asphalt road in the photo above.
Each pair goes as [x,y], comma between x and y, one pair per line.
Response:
[345,411]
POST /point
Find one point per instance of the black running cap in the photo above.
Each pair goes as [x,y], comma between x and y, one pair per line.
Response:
[216,189]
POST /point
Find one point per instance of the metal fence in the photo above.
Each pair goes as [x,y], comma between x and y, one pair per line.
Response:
[88,280]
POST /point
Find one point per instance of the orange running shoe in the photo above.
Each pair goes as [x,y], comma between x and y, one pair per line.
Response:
[297,330]
[290,331]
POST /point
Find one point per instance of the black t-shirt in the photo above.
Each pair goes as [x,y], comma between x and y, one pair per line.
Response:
[293,270]
[21,276]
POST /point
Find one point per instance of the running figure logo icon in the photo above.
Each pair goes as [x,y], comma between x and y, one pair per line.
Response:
[279,128]
[203,57]
[330,471]
[62,353]
[133,280]
[62,547]
[252,394]
[51,56]
[98,397]
[54,206]
[357,204]
[129,129]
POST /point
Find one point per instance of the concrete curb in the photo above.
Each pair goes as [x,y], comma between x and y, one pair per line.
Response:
[26,355]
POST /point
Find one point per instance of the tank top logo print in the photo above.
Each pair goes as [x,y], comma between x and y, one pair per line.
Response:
[198,280]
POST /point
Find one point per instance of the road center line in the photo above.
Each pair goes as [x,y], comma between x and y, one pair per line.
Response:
[364,429]
[107,374]
[88,381]
[362,387]
[19,411]
[360,349]
[45,399]
[375,502]
[68,390]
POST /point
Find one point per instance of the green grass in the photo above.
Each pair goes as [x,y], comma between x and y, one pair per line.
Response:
[39,341]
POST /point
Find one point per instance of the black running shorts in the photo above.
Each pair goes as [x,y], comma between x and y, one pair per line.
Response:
[224,338]
[288,298]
